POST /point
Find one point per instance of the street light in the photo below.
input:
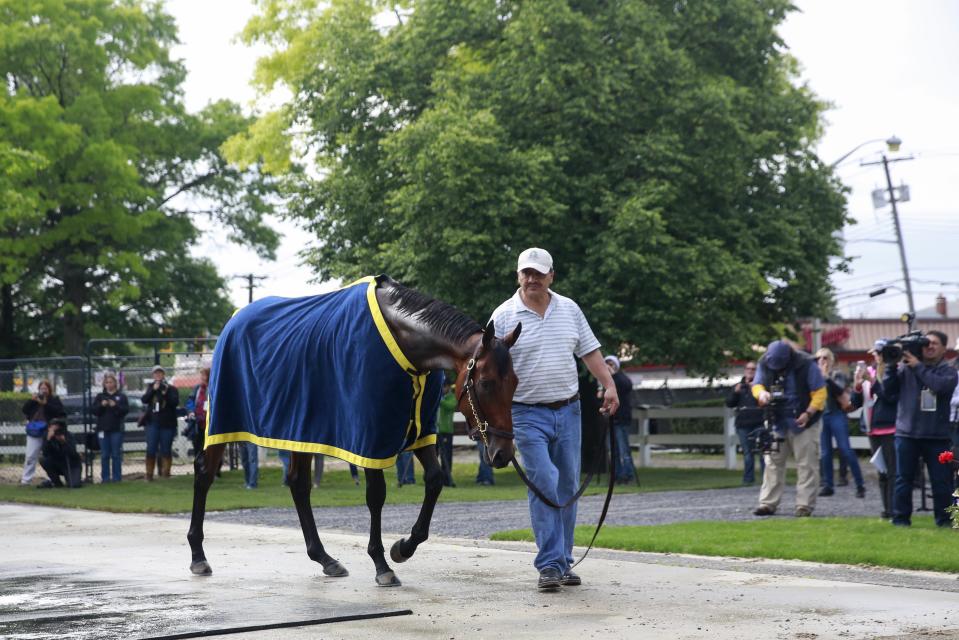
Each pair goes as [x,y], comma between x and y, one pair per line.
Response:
[892,143]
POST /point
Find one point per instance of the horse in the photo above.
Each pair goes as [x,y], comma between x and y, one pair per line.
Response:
[422,334]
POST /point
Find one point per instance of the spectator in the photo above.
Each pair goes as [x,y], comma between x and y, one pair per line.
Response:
[484,473]
[319,460]
[197,406]
[250,459]
[444,433]
[110,407]
[39,411]
[161,400]
[404,469]
[924,388]
[60,457]
[835,426]
[749,417]
[622,421]
[547,419]
[788,380]
[879,416]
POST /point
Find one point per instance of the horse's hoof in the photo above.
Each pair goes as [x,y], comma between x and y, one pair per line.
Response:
[201,568]
[395,554]
[388,579]
[335,570]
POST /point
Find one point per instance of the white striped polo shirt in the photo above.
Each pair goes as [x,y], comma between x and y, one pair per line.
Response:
[543,355]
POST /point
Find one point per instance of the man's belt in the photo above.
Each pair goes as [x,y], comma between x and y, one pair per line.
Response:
[559,404]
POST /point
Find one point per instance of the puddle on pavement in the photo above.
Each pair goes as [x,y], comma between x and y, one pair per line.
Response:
[70,606]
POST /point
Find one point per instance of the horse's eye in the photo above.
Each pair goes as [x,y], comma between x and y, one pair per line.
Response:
[487,385]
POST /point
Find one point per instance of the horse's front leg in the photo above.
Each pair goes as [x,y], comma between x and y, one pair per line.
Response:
[205,464]
[299,478]
[375,498]
[403,549]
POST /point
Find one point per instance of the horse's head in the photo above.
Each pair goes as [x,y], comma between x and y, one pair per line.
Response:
[484,390]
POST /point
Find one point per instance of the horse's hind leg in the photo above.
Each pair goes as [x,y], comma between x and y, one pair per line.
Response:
[375,498]
[299,478]
[403,549]
[205,465]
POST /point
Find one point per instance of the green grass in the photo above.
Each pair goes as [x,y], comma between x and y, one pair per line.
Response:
[858,541]
[175,494]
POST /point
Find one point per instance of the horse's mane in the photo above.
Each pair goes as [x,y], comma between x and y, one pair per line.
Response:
[436,315]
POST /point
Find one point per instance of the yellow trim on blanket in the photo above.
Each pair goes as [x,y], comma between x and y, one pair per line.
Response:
[309,447]
[425,441]
[384,329]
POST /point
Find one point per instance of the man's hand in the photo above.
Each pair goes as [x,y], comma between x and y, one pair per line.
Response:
[738,388]
[610,402]
[51,431]
[104,403]
[156,386]
[764,398]
[910,359]
[803,420]
[112,403]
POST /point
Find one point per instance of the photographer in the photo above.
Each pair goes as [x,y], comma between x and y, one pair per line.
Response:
[880,418]
[110,407]
[924,388]
[161,400]
[835,426]
[749,417]
[791,385]
[60,457]
[39,410]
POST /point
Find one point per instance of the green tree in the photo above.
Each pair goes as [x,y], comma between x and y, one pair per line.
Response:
[102,174]
[661,150]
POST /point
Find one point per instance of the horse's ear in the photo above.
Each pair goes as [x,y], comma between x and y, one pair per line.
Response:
[488,334]
[511,339]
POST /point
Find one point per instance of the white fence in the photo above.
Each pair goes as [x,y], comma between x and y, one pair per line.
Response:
[728,440]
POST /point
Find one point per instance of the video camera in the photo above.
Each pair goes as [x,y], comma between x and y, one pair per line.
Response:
[764,439]
[891,349]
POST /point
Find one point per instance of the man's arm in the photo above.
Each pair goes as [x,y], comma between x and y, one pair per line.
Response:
[938,379]
[594,362]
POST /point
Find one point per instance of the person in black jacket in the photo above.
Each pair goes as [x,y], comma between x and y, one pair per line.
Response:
[622,421]
[39,410]
[60,457]
[879,417]
[110,407]
[749,417]
[160,401]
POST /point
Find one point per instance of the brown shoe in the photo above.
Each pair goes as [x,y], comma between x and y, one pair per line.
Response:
[151,462]
[166,463]
[803,512]
[763,510]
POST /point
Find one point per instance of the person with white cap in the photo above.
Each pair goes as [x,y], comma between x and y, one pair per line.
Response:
[160,400]
[622,421]
[789,381]
[546,409]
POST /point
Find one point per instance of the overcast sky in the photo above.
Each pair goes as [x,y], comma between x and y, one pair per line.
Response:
[886,66]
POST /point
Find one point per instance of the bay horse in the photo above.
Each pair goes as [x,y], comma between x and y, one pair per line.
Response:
[422,334]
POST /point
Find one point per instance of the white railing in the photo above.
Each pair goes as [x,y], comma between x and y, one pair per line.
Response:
[728,440]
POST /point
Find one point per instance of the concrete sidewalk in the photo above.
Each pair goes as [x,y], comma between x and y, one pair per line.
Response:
[83,574]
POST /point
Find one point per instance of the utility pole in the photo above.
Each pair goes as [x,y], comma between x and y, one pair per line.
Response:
[895,220]
[249,277]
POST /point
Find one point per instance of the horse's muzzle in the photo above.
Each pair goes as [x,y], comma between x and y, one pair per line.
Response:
[501,457]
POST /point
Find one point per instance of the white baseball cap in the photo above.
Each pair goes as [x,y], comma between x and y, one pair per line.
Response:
[613,360]
[535,258]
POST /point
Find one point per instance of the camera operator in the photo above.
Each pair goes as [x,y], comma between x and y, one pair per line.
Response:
[39,410]
[791,385]
[60,457]
[161,400]
[924,388]
[879,415]
[749,417]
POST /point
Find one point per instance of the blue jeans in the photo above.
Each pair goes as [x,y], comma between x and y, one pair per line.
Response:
[835,425]
[284,457]
[484,475]
[549,441]
[624,459]
[749,456]
[250,457]
[159,440]
[404,468]
[908,454]
[111,453]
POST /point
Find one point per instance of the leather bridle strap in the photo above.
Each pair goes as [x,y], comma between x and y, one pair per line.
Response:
[482,427]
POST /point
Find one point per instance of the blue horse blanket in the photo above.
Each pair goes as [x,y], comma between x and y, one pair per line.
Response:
[320,374]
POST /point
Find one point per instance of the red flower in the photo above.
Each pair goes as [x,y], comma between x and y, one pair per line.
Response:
[946,457]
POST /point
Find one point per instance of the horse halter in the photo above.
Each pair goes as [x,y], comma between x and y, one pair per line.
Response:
[481,427]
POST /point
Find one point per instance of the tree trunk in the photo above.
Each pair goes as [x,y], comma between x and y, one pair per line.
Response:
[74,333]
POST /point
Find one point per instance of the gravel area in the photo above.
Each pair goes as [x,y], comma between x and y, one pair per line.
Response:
[473,523]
